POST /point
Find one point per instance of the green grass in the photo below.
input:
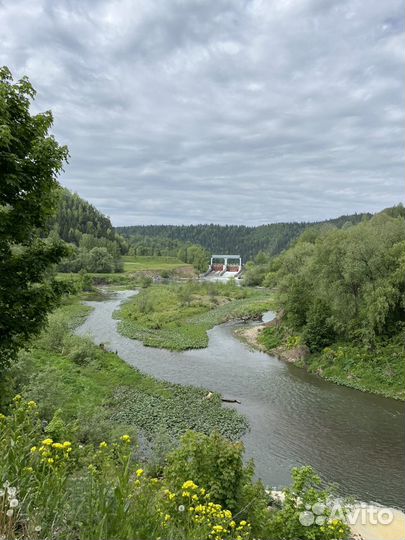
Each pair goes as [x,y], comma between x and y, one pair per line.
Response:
[146,263]
[177,317]
[100,394]
[135,269]
[270,337]
[381,371]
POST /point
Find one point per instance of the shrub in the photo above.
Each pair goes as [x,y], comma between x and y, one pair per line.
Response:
[305,492]
[214,462]
[57,489]
[81,350]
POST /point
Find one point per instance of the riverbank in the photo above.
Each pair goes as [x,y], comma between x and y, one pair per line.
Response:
[85,388]
[366,525]
[380,372]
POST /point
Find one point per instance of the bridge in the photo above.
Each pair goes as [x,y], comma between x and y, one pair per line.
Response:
[225,266]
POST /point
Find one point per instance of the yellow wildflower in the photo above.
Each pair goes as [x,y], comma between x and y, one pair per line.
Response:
[50,461]
[32,405]
[47,442]
[125,438]
[232,524]
[167,517]
[139,472]
[189,484]
[243,523]
[57,445]
[17,398]
[33,449]
[67,444]
[103,444]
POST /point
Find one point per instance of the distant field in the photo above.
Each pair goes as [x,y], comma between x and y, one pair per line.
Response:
[144,263]
[132,265]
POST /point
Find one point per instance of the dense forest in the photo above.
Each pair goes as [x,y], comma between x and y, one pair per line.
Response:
[342,292]
[239,239]
[94,245]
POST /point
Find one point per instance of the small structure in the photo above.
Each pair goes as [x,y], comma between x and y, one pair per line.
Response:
[226,263]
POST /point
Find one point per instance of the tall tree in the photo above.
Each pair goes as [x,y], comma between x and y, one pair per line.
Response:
[30,160]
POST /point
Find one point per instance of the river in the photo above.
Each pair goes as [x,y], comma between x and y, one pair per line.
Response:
[350,437]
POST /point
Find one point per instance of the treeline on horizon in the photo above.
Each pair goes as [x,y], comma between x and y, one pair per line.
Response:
[235,239]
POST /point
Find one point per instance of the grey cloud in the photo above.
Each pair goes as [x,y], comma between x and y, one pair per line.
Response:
[228,111]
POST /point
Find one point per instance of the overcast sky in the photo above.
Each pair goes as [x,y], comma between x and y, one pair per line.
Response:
[225,111]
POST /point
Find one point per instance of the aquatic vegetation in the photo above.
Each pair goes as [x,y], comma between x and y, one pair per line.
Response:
[97,395]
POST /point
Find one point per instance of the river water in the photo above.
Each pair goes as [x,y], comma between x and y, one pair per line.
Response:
[352,438]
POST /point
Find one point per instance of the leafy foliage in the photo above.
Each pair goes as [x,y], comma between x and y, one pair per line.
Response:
[344,288]
[54,488]
[305,492]
[30,160]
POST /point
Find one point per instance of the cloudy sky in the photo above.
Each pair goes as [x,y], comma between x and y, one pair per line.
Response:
[226,111]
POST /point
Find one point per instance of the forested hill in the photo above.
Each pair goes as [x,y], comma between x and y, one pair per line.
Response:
[96,246]
[76,217]
[246,241]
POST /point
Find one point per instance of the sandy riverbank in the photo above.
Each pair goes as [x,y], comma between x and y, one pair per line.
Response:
[370,522]
[370,529]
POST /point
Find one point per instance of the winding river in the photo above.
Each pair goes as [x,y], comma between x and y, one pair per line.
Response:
[352,438]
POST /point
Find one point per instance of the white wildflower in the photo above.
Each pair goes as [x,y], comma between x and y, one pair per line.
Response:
[38,528]
[13,503]
[12,491]
[181,508]
[10,512]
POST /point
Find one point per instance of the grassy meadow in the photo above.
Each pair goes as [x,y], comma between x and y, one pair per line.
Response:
[145,263]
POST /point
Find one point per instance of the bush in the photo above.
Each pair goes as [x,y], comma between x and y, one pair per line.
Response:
[56,489]
[305,492]
[214,462]
[81,350]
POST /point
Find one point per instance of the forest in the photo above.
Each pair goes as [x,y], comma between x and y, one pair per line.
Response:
[239,239]
[353,314]
[94,246]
